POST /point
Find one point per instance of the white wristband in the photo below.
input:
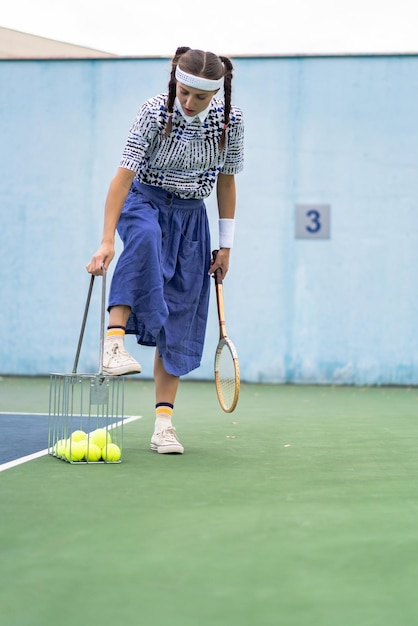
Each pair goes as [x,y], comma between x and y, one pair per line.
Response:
[226,232]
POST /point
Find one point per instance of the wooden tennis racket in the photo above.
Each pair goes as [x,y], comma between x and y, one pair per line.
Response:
[227,377]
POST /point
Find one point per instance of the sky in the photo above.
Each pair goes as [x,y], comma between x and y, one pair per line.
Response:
[229,27]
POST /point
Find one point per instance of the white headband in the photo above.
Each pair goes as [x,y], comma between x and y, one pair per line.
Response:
[205,84]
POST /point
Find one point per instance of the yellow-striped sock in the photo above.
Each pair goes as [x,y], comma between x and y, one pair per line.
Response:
[115,332]
[163,415]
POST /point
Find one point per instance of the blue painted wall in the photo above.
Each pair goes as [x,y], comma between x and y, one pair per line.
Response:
[341,131]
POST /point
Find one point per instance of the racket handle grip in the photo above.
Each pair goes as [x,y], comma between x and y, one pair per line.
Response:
[218,273]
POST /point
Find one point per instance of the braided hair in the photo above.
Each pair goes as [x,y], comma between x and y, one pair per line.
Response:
[207,65]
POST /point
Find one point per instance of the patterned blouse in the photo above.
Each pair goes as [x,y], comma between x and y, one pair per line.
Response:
[189,160]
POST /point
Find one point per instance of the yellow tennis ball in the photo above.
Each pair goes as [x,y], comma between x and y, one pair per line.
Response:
[75,450]
[100,437]
[59,447]
[82,447]
[111,453]
[78,435]
[93,452]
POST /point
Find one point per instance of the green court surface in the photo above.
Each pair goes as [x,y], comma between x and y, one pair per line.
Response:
[301,508]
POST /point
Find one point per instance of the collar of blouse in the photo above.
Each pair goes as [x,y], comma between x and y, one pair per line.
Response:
[202,115]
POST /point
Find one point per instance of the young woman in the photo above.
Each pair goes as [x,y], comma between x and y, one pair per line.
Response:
[180,146]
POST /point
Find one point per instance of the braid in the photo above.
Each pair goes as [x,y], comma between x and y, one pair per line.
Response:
[227,97]
[172,88]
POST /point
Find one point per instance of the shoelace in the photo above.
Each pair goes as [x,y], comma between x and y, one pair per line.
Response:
[119,353]
[170,434]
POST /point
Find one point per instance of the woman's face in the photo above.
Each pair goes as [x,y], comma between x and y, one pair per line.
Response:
[193,101]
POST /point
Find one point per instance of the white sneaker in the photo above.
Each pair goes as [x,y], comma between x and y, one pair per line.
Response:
[116,360]
[166,442]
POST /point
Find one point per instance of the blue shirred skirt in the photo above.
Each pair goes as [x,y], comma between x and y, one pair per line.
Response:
[162,274]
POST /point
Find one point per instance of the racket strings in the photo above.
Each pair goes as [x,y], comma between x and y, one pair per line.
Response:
[226,376]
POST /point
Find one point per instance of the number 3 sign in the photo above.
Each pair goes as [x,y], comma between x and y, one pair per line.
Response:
[312,221]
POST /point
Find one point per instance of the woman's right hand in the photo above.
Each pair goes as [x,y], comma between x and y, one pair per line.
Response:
[101,259]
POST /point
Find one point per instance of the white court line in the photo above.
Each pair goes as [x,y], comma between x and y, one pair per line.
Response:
[36,455]
[21,413]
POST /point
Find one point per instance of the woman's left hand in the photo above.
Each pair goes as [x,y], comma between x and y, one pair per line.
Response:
[221,262]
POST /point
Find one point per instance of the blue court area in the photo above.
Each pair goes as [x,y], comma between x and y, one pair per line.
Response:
[26,436]
[22,434]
